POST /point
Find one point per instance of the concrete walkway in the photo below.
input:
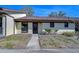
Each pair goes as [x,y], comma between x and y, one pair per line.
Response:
[34,42]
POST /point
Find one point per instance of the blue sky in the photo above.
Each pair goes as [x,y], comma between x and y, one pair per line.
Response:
[44,10]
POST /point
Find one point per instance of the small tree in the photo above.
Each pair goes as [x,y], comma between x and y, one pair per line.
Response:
[28,10]
[60,13]
[52,14]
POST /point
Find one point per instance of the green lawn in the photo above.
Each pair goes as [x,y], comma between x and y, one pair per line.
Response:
[15,41]
[57,41]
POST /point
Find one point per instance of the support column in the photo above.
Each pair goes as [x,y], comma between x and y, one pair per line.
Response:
[39,27]
[4,26]
[30,29]
[18,28]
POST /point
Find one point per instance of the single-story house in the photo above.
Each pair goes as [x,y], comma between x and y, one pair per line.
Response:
[16,22]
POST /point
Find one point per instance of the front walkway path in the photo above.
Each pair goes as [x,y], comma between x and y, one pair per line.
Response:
[34,42]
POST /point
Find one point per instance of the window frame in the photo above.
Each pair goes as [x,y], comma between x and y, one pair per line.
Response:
[52,24]
[24,27]
[66,24]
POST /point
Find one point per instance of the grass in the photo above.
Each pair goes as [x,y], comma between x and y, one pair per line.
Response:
[15,41]
[57,41]
[69,34]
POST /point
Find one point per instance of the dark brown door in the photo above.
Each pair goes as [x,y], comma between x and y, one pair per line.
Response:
[35,27]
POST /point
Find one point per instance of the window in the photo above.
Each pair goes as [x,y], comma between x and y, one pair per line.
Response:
[0,25]
[24,27]
[51,24]
[76,26]
[65,24]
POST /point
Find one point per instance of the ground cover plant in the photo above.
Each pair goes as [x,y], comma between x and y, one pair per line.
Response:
[17,41]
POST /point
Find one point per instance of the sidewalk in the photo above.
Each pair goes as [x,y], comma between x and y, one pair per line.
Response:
[33,43]
[39,50]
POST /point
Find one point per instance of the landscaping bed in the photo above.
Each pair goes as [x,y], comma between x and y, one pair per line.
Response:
[57,41]
[18,41]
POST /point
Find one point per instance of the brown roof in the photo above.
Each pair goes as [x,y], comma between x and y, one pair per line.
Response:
[47,19]
[10,11]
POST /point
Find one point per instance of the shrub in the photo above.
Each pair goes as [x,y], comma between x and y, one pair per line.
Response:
[68,33]
[54,30]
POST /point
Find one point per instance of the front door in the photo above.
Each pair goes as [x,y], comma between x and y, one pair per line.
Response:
[35,27]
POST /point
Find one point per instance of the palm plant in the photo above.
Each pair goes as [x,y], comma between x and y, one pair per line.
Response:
[48,31]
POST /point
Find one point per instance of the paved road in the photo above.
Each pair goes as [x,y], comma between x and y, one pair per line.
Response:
[39,51]
[33,43]
[54,51]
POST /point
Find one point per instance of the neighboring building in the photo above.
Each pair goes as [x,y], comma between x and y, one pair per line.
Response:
[16,22]
[7,23]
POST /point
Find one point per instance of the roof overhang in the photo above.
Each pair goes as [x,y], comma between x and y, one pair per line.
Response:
[47,19]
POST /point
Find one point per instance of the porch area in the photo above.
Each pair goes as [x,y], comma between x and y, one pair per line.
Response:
[28,27]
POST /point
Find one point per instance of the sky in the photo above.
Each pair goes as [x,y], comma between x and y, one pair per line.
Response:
[44,10]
